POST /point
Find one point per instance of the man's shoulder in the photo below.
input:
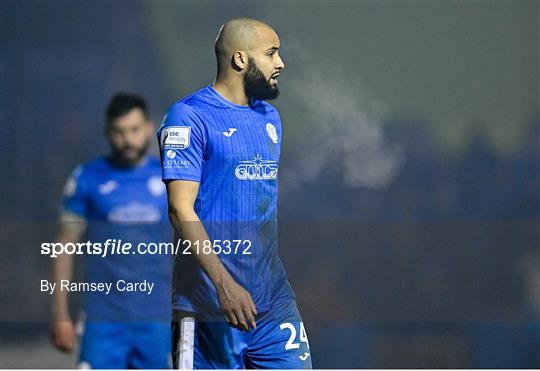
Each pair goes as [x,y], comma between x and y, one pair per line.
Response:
[180,108]
[190,108]
[196,99]
[85,174]
[90,168]
[194,103]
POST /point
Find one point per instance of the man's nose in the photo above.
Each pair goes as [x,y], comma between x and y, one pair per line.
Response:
[129,140]
[280,65]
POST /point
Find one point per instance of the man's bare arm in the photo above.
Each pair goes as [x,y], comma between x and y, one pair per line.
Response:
[235,301]
[71,229]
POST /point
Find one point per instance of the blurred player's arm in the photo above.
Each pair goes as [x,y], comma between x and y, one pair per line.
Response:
[71,228]
[235,301]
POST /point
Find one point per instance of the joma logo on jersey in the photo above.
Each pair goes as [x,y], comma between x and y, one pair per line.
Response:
[257,169]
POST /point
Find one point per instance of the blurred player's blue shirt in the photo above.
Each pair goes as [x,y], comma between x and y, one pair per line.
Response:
[129,205]
[233,152]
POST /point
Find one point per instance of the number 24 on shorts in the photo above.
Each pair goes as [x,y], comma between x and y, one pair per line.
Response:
[291,344]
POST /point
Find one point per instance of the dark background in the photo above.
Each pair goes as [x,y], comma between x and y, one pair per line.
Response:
[410,177]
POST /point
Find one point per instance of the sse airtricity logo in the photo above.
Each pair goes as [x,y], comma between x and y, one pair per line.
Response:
[175,137]
[257,169]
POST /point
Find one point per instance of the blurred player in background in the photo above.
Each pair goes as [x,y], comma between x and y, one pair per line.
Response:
[220,150]
[119,196]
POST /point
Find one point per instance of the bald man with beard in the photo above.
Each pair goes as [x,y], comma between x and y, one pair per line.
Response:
[233,306]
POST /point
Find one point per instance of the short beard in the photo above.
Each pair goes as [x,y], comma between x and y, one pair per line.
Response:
[256,86]
[120,159]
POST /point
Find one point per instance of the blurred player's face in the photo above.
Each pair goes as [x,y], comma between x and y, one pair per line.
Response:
[264,67]
[129,136]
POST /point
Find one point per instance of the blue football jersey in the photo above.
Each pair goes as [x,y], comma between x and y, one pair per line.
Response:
[233,152]
[130,206]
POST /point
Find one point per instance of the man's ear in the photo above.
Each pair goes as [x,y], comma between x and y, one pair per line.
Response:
[239,60]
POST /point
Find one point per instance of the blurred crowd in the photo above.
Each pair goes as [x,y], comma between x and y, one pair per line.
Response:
[445,258]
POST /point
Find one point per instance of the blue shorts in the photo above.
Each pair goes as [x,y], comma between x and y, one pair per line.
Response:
[125,345]
[205,342]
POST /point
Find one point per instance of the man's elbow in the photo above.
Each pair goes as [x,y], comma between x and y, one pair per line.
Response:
[180,212]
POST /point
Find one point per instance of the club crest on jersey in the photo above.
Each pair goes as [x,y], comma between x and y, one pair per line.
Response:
[175,137]
[257,169]
[108,187]
[272,132]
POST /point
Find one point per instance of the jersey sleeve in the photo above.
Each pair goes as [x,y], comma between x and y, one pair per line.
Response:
[75,199]
[182,139]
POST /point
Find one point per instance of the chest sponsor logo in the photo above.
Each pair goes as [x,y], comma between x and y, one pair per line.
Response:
[272,132]
[175,137]
[229,133]
[134,212]
[256,169]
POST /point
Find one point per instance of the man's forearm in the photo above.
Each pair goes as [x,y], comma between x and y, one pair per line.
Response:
[70,230]
[62,269]
[235,301]
[188,225]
